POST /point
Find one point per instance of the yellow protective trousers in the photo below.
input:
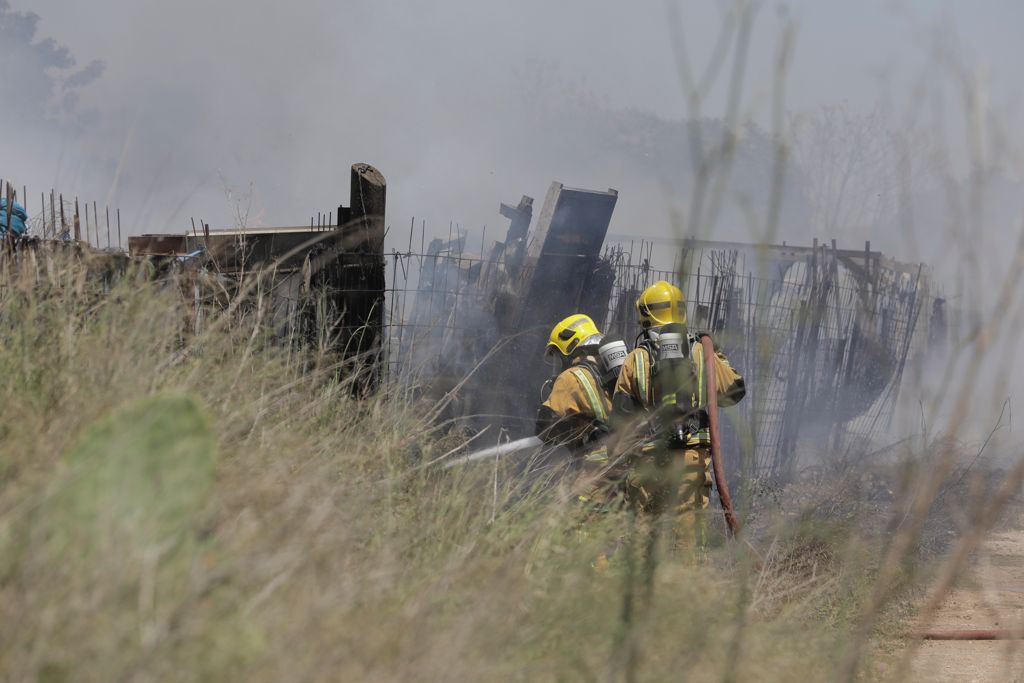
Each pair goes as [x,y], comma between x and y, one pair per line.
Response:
[674,481]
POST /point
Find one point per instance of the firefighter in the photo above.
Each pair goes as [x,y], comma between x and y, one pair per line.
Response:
[660,400]
[575,412]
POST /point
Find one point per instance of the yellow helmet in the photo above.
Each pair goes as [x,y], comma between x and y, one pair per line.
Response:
[660,304]
[572,333]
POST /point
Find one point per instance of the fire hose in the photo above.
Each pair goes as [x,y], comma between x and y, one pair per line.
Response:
[716,437]
[716,453]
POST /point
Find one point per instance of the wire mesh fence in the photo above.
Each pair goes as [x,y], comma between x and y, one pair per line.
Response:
[822,336]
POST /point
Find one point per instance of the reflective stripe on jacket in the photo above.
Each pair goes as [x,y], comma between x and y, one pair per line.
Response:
[577,405]
[596,397]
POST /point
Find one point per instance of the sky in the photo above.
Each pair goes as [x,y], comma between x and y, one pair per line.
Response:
[253,111]
[460,104]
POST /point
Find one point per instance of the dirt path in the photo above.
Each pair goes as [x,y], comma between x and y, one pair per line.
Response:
[991,595]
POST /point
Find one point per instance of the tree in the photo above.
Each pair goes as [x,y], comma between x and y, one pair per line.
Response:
[853,169]
[40,77]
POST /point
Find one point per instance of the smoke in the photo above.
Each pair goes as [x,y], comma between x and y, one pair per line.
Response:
[256,109]
[460,105]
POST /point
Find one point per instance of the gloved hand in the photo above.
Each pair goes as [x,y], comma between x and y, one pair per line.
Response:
[546,419]
[596,434]
[677,435]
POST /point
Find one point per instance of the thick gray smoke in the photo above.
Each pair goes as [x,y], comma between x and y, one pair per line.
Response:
[461,104]
[253,110]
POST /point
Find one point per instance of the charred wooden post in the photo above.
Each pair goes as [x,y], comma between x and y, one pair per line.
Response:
[520,217]
[515,240]
[360,269]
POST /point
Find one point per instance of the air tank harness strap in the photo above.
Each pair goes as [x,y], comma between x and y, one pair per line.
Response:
[642,374]
[698,366]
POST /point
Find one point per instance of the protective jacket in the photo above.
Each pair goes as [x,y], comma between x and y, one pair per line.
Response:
[642,387]
[576,412]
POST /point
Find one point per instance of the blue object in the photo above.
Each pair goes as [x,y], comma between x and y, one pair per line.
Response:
[18,218]
[189,256]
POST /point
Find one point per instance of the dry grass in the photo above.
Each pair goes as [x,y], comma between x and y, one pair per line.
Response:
[233,514]
[221,509]
[174,508]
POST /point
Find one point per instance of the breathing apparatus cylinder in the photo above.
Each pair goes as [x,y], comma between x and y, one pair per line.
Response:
[612,354]
[675,380]
[670,347]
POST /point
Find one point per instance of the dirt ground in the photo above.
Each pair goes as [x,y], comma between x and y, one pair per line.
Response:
[991,595]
